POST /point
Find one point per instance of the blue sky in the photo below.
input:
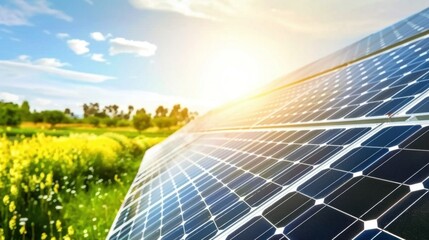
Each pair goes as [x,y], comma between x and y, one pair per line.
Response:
[200,53]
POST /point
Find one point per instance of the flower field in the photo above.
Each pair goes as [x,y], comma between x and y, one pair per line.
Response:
[67,187]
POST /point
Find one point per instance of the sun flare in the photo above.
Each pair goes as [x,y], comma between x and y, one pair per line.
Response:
[230,73]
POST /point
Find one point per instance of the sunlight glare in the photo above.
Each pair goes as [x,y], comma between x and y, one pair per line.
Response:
[231,73]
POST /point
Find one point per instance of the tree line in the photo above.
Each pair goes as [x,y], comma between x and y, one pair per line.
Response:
[12,114]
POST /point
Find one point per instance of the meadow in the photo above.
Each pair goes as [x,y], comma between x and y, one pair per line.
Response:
[68,182]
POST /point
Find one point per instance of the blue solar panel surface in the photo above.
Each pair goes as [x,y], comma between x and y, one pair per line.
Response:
[364,192]
[397,33]
[342,155]
[374,88]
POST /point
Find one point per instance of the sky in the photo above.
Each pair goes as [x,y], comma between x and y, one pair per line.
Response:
[200,53]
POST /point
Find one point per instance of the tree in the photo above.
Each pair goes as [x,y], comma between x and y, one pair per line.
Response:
[53,117]
[164,122]
[130,111]
[175,111]
[181,115]
[10,114]
[94,121]
[85,110]
[37,117]
[184,115]
[141,120]
[115,109]
[25,111]
[111,122]
[92,109]
[161,112]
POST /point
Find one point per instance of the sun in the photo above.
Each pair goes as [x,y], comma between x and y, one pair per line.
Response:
[230,73]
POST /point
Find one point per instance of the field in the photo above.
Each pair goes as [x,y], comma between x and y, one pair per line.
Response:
[66,183]
[30,129]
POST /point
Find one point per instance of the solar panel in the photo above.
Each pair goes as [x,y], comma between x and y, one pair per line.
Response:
[413,26]
[341,155]
[366,193]
[373,88]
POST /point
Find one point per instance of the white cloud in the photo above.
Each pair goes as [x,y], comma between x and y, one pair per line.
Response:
[21,11]
[23,58]
[318,18]
[98,57]
[138,48]
[47,62]
[195,8]
[62,35]
[20,68]
[50,62]
[78,46]
[9,97]
[98,36]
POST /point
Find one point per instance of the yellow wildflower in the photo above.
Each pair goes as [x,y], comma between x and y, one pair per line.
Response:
[12,223]
[6,200]
[117,179]
[56,187]
[58,225]
[44,236]
[2,237]
[49,179]
[70,231]
[22,230]
[14,190]
[12,206]
[24,187]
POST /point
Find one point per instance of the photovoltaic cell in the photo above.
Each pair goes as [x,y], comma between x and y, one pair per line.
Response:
[375,88]
[324,153]
[338,203]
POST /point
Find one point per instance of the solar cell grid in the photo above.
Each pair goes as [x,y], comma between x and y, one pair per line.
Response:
[376,87]
[299,162]
[344,201]
[232,178]
[389,36]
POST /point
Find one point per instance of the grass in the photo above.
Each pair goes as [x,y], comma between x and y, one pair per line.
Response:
[30,129]
[69,182]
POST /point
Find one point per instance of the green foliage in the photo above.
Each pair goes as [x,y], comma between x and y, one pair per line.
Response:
[123,123]
[94,121]
[164,122]
[111,122]
[141,120]
[161,112]
[25,111]
[181,115]
[10,114]
[37,117]
[53,117]
[91,110]
[15,132]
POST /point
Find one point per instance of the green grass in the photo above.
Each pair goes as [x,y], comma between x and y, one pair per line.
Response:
[66,131]
[99,205]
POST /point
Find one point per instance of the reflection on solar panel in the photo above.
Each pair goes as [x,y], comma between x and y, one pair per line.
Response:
[343,154]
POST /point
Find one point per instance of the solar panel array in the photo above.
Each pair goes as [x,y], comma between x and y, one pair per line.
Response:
[397,33]
[341,155]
